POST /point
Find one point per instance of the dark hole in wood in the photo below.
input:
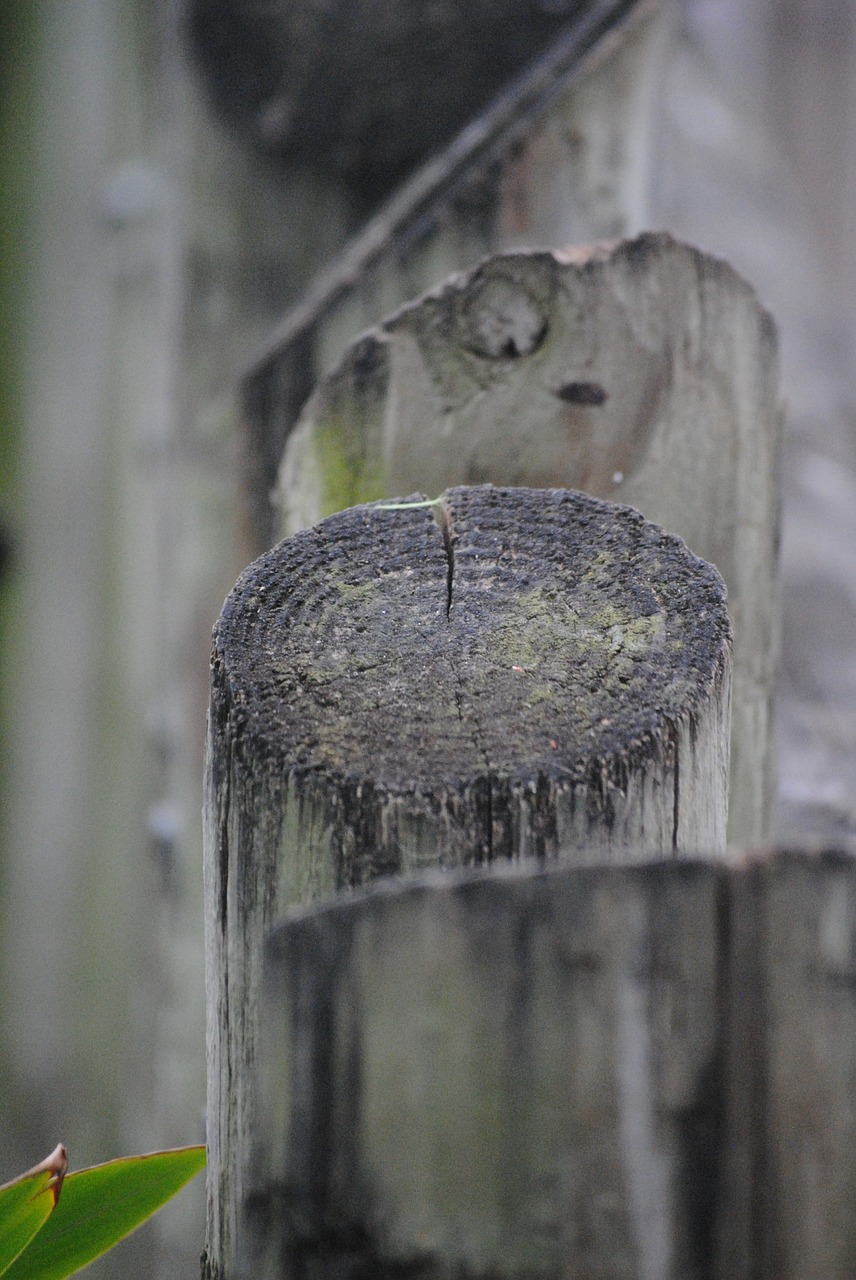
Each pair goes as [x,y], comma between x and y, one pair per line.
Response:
[591,393]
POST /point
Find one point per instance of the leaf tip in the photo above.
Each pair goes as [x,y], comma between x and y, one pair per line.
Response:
[56,1164]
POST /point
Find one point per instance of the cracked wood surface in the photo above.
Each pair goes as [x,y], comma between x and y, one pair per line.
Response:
[509,673]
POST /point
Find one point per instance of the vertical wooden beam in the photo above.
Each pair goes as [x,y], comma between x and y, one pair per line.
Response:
[792,1045]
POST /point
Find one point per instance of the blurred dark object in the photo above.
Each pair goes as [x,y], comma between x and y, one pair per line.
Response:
[363,89]
[6,547]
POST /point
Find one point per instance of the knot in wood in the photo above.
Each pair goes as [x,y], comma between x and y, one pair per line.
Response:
[503,318]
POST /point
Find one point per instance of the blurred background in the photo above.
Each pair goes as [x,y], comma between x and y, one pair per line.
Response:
[170,182]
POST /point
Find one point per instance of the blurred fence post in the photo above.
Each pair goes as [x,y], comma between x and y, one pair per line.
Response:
[565,155]
[616,1071]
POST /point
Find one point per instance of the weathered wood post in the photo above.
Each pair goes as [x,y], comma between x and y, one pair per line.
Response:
[564,155]
[498,1076]
[644,372]
[611,1070]
[641,1072]
[502,674]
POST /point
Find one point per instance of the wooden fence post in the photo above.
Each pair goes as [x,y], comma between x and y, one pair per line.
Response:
[564,155]
[644,372]
[526,1072]
[517,1075]
[529,673]
[641,1072]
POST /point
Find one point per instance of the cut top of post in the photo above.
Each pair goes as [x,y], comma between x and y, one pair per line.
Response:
[499,647]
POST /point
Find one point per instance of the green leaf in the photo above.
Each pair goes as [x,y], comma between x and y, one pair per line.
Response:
[102,1205]
[27,1203]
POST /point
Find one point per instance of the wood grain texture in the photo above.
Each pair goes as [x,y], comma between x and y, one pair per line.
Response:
[532,673]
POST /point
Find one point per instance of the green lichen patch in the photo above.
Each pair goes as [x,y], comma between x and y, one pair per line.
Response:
[349,475]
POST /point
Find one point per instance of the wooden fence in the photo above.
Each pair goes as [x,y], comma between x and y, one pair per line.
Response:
[490,993]
[498,675]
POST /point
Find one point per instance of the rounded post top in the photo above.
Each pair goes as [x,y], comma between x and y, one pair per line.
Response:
[498,639]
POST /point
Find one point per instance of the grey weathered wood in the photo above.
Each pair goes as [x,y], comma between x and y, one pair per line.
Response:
[563,155]
[516,1075]
[624,1072]
[789,1170]
[135,299]
[644,372]
[532,673]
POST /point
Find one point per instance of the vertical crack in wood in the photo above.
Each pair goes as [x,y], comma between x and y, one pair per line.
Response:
[643,1159]
[742,1249]
[444,516]
[752,1057]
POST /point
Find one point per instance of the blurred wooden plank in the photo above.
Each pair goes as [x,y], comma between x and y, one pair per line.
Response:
[365,90]
[789,1176]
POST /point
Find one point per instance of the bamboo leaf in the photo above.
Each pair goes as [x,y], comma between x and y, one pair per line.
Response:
[102,1205]
[27,1202]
